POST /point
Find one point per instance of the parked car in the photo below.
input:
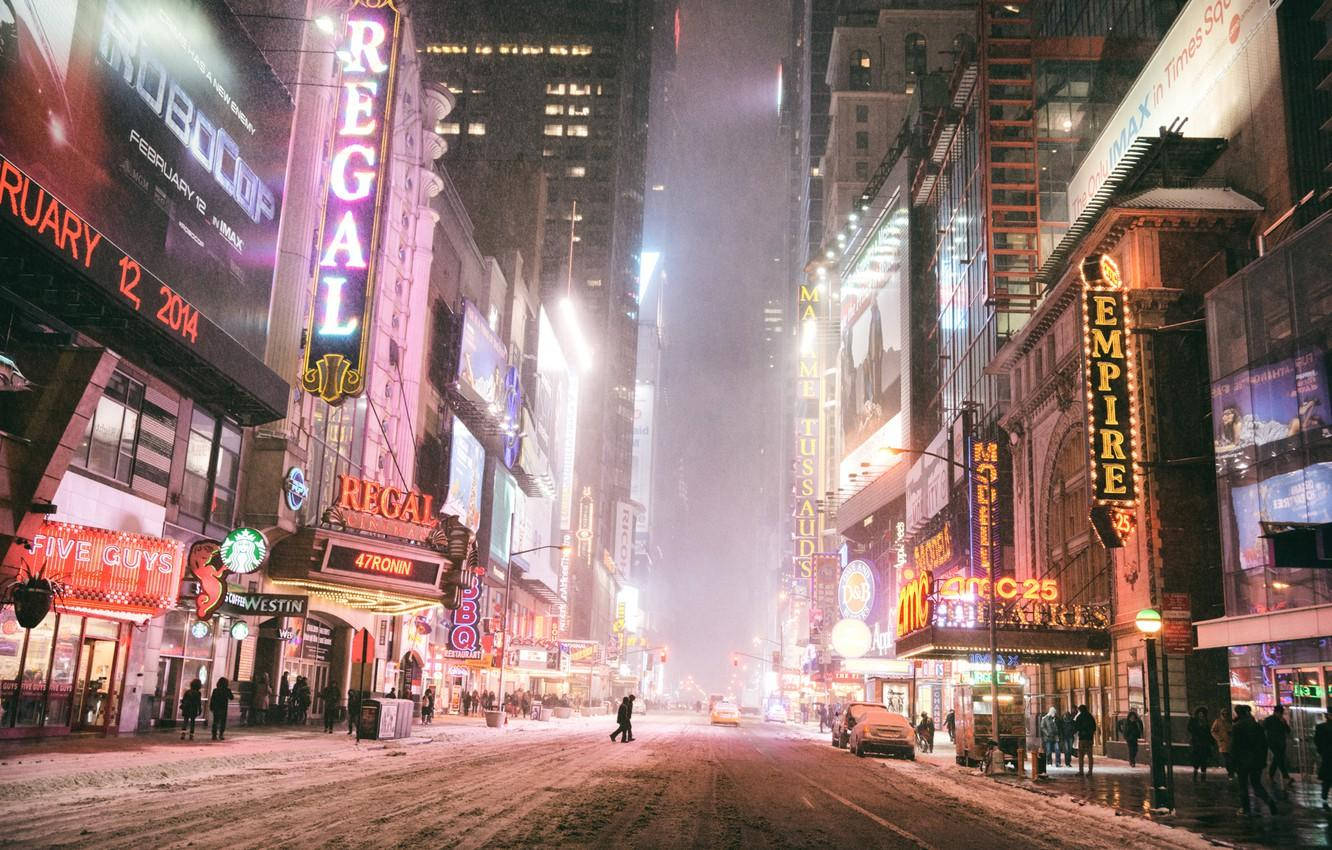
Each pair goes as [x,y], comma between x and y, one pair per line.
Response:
[725,713]
[776,713]
[847,718]
[882,731]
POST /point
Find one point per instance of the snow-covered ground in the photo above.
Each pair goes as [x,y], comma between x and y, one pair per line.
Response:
[682,783]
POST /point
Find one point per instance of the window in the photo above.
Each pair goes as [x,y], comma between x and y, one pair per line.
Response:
[109,442]
[577,90]
[448,128]
[862,169]
[1076,560]
[916,55]
[859,77]
[862,114]
[594,283]
[553,88]
[554,109]
[576,171]
[476,128]
[554,130]
[212,467]
[576,130]
[580,110]
[862,141]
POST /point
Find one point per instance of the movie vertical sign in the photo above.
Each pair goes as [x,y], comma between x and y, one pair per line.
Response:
[807,419]
[336,351]
[1111,387]
[984,491]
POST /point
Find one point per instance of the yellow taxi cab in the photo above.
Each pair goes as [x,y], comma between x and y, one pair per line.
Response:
[725,713]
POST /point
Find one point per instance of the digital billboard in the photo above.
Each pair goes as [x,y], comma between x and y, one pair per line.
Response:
[1301,496]
[1264,411]
[467,466]
[160,126]
[504,503]
[871,328]
[484,375]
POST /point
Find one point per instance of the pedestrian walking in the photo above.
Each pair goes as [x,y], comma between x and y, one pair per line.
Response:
[629,721]
[466,703]
[622,721]
[1221,727]
[1323,744]
[925,733]
[823,717]
[1130,728]
[1085,727]
[1248,744]
[218,703]
[950,723]
[301,697]
[260,699]
[330,695]
[1278,733]
[1049,729]
[353,709]
[191,706]
[1201,741]
[1067,735]
[428,706]
[284,692]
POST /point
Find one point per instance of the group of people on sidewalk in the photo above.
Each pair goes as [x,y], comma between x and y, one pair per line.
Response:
[191,708]
[1064,734]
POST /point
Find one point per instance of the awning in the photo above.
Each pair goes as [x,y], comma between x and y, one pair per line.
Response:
[1314,621]
[1031,645]
[358,572]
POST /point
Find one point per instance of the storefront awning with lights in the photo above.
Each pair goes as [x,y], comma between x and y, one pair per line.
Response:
[1034,646]
[358,572]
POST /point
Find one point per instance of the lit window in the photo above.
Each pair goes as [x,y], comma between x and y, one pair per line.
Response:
[552,88]
[548,152]
[594,283]
[577,90]
[582,50]
[554,130]
[554,109]
[476,128]
[448,128]
[506,49]
[559,50]
[576,130]
[533,50]
[484,50]
[659,187]
[576,171]
[580,110]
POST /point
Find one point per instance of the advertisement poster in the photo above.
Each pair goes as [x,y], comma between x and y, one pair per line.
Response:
[1304,495]
[871,355]
[1260,412]
[467,465]
[503,504]
[162,126]
[485,375]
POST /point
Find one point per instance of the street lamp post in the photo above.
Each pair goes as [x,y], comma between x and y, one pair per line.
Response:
[1148,622]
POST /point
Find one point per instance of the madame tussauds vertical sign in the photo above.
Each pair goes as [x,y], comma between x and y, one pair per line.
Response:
[335,357]
[1111,387]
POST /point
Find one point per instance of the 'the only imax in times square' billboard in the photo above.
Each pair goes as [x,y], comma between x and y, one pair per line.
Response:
[159,123]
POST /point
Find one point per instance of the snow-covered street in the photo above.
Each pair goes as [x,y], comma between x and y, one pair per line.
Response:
[681,783]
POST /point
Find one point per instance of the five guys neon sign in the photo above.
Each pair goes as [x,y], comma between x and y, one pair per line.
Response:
[335,356]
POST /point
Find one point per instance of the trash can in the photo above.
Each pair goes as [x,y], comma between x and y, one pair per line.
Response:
[367,722]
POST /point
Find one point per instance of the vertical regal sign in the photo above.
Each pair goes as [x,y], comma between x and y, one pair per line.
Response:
[335,353]
[1111,385]
[808,394]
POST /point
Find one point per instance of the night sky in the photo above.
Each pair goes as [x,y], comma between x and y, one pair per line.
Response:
[719,226]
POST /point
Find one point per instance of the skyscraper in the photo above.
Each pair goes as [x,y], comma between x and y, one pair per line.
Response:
[565,84]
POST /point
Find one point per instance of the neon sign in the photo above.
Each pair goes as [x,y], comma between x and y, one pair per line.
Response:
[984,501]
[915,606]
[807,432]
[1111,382]
[855,591]
[1006,588]
[335,356]
[110,570]
[464,634]
[367,505]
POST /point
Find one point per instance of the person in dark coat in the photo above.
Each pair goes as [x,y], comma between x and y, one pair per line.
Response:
[1278,733]
[1085,727]
[218,703]
[629,721]
[428,706]
[1248,745]
[950,723]
[1323,744]
[1201,741]
[353,709]
[191,706]
[330,696]
[1067,735]
[622,721]
[465,703]
[284,692]
[1131,730]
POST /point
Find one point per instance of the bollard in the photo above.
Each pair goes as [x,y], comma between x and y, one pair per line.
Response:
[1019,761]
[1035,765]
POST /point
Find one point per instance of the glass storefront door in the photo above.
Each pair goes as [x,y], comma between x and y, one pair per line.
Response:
[94,690]
[1303,691]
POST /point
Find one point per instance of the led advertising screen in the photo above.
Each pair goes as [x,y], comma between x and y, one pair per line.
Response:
[871,327]
[1266,411]
[467,466]
[1301,496]
[161,126]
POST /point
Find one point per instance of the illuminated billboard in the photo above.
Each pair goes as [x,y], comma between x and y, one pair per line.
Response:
[160,127]
[467,468]
[485,376]
[336,350]
[1263,411]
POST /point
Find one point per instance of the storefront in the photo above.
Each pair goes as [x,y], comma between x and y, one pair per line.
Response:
[68,673]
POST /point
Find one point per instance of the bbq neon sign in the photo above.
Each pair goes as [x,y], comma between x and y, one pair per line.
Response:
[335,355]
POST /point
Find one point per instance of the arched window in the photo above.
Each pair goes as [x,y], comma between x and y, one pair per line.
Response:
[1075,558]
[916,58]
[859,79]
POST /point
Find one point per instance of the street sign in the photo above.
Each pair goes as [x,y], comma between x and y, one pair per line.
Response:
[1177,622]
